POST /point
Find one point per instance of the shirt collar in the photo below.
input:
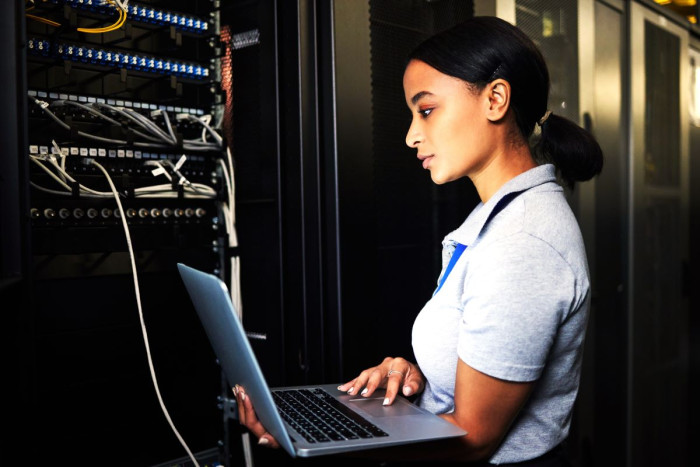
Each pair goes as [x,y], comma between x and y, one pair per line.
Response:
[467,233]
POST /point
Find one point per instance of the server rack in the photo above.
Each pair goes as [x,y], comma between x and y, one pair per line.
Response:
[126,177]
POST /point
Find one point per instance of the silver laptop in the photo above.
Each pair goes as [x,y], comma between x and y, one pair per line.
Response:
[305,420]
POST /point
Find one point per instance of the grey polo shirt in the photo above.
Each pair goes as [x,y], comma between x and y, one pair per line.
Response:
[515,307]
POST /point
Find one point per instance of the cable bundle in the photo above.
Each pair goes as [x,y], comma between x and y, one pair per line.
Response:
[54,166]
[120,5]
[149,132]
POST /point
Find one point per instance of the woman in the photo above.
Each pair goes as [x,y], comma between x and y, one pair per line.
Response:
[499,345]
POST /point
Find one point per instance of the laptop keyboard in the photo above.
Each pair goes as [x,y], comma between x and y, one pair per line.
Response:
[319,417]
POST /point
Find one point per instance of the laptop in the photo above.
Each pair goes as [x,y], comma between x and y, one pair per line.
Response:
[305,420]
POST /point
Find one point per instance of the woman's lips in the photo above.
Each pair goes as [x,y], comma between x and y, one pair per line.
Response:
[425,159]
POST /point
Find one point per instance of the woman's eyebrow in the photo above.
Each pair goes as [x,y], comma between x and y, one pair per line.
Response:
[419,95]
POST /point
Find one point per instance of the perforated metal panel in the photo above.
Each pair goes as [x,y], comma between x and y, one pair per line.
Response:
[553,26]
[658,314]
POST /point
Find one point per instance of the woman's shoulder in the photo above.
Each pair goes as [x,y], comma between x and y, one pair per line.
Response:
[547,215]
[541,222]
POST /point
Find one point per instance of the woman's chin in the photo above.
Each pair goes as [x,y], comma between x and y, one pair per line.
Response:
[438,178]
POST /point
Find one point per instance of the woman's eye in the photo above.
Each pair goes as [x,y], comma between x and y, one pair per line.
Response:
[425,112]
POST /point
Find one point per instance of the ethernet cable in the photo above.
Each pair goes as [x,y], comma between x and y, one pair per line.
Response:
[63,183]
[146,124]
[45,107]
[136,118]
[190,190]
[141,318]
[201,189]
[166,119]
[205,124]
[206,119]
[101,115]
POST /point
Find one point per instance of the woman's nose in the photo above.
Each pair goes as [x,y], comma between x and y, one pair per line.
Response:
[413,136]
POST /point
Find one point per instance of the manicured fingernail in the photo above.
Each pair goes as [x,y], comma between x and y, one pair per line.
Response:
[235,390]
[364,391]
[242,394]
[340,387]
[386,401]
[263,441]
[406,391]
[350,391]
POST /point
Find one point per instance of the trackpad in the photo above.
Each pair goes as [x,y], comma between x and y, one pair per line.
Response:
[375,408]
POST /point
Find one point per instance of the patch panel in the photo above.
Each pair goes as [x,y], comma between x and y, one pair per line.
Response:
[87,54]
[50,96]
[98,152]
[198,168]
[144,14]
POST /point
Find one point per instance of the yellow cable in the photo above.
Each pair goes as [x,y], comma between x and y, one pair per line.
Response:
[119,23]
[43,20]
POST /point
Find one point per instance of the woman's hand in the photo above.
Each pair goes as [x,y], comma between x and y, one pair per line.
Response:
[392,374]
[248,418]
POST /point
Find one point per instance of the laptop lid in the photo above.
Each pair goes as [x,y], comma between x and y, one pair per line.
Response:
[403,421]
[232,348]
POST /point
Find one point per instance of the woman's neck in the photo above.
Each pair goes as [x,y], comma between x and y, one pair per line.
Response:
[507,163]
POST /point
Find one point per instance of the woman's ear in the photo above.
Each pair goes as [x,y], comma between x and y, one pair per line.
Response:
[498,93]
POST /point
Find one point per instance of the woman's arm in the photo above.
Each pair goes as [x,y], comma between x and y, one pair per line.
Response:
[485,407]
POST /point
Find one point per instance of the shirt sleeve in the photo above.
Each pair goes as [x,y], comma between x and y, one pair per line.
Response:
[517,291]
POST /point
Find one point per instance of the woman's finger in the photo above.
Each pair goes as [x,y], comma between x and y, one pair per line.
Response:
[345,387]
[394,380]
[239,405]
[359,383]
[268,440]
[377,379]
[253,424]
[414,382]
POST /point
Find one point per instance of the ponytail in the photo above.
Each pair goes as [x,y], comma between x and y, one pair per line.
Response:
[573,150]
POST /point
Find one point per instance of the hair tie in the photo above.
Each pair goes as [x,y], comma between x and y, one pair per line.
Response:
[544,118]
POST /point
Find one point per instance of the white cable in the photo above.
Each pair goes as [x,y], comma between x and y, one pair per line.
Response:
[59,151]
[204,123]
[37,160]
[229,213]
[235,260]
[140,120]
[61,193]
[229,220]
[206,119]
[166,118]
[138,301]
[190,190]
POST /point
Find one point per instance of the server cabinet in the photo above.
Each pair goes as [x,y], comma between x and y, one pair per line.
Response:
[124,182]
[694,271]
[658,248]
